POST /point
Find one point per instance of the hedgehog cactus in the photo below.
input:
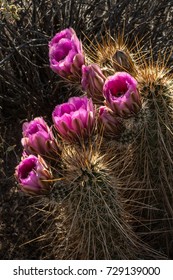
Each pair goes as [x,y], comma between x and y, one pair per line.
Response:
[98,227]
[153,153]
[112,178]
[113,55]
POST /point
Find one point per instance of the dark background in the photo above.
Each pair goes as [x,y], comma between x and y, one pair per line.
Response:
[28,88]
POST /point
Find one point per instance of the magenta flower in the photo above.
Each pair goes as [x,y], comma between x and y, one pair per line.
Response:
[111,124]
[93,81]
[66,55]
[74,118]
[32,173]
[37,137]
[121,94]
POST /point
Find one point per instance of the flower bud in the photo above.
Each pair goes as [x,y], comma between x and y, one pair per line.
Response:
[112,125]
[66,55]
[32,173]
[122,95]
[93,81]
[123,62]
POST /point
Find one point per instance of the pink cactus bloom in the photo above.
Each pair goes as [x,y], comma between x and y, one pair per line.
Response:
[122,95]
[74,118]
[93,81]
[109,120]
[66,55]
[31,174]
[37,137]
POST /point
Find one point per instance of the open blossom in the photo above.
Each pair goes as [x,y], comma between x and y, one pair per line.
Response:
[74,118]
[111,124]
[93,81]
[66,55]
[37,137]
[121,94]
[32,173]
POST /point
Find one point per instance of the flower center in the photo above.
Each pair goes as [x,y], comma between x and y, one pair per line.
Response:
[27,167]
[63,48]
[119,89]
[119,93]
[33,129]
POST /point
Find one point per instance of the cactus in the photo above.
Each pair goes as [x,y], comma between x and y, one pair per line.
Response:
[96,223]
[111,181]
[113,55]
[152,156]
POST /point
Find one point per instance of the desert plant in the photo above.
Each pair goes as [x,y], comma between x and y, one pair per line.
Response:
[96,221]
[153,152]
[30,88]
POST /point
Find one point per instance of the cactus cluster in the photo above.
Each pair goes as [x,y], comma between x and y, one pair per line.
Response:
[106,161]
